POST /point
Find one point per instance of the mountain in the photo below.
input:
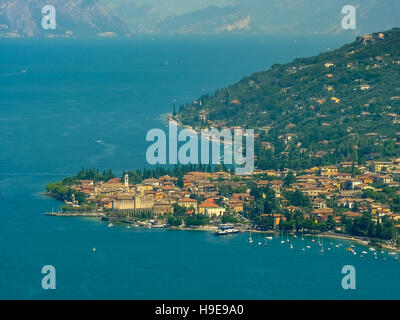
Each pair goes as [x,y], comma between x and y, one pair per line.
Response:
[209,20]
[123,17]
[254,16]
[73,17]
[140,18]
[339,105]
[320,17]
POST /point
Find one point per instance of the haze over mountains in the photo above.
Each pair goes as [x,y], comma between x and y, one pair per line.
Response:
[127,17]
[79,17]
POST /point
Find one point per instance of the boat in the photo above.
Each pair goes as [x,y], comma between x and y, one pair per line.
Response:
[224,229]
[269,238]
[291,246]
[250,238]
[110,224]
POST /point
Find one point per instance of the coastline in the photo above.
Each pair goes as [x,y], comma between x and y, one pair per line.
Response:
[211,228]
[180,124]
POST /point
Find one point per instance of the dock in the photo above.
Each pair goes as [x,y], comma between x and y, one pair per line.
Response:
[74,214]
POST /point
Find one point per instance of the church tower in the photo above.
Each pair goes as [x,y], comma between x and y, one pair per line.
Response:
[126,179]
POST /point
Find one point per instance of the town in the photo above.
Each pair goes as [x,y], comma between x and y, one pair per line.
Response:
[348,199]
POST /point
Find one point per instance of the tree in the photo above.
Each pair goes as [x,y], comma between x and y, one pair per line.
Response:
[289,179]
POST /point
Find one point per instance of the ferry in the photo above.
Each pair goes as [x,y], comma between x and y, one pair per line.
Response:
[225,229]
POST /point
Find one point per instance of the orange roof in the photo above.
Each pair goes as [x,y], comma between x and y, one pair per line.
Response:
[209,204]
[187,200]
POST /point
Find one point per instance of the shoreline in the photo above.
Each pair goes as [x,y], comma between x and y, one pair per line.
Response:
[208,137]
[211,228]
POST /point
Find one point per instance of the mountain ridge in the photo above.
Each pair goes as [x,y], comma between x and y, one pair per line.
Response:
[19,18]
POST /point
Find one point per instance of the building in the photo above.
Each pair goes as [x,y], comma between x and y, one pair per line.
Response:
[188,203]
[211,209]
[328,171]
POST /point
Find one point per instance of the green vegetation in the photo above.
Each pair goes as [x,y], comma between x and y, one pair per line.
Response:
[341,105]
[364,226]
[62,189]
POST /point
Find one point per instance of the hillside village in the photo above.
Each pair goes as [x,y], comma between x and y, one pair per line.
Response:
[341,105]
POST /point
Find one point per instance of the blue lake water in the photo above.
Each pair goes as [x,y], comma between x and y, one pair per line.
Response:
[89,103]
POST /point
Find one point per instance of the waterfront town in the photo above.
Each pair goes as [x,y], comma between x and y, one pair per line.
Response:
[326,198]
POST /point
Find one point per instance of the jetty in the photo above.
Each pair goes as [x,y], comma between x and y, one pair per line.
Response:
[74,214]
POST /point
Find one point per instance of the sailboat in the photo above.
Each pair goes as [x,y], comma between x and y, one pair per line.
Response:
[265,241]
[250,238]
[322,247]
[110,224]
[287,236]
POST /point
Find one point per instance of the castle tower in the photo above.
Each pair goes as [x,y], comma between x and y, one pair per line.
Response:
[126,179]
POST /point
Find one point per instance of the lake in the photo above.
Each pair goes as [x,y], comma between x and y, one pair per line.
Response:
[67,104]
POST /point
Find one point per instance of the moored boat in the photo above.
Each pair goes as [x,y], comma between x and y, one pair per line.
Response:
[224,229]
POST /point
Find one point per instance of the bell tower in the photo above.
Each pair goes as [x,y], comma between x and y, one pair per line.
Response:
[126,178]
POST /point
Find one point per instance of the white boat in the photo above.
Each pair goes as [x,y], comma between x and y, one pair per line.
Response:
[224,229]
[110,223]
[250,238]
